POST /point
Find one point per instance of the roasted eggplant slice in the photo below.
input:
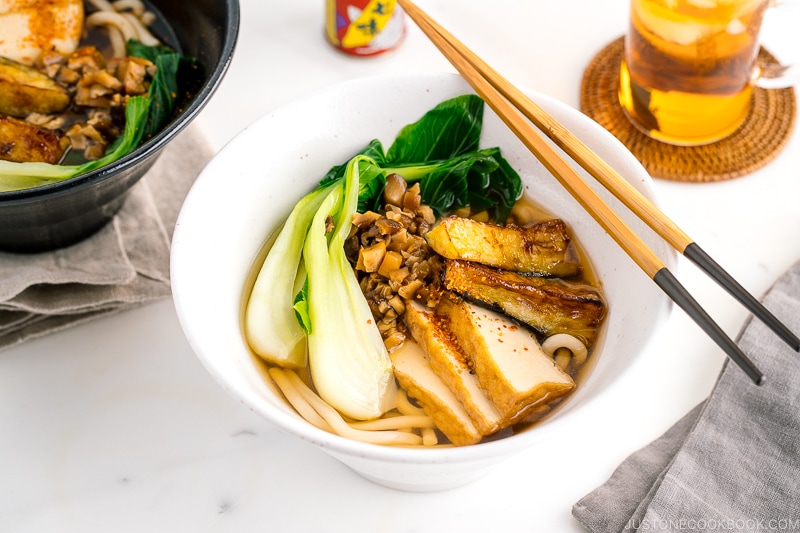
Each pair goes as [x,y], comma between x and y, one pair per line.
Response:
[21,141]
[542,248]
[549,306]
[25,90]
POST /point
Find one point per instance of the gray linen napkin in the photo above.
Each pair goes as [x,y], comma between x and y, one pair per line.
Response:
[124,265]
[733,462]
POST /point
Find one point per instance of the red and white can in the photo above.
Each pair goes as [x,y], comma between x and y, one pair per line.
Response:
[365,27]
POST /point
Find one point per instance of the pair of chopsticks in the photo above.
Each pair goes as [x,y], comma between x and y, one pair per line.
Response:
[514,107]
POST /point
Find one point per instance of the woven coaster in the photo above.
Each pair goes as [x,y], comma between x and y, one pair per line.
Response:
[764,133]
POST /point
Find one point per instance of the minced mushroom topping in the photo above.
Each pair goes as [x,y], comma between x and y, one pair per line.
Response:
[392,260]
[99,87]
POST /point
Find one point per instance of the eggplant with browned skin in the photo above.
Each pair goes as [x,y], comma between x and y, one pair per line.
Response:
[25,90]
[542,248]
[549,306]
[22,141]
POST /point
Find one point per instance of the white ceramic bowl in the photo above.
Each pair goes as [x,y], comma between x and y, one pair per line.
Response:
[253,183]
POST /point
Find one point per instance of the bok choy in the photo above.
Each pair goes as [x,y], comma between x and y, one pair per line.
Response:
[349,364]
[274,331]
[307,290]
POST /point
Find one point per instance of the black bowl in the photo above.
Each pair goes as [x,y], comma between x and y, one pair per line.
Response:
[60,214]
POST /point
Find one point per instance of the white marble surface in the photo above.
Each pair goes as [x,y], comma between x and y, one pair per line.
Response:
[115,426]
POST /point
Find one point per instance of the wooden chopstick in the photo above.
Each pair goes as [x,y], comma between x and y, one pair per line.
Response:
[618,186]
[457,54]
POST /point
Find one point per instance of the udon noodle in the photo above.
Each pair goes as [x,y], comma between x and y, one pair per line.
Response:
[124,20]
[408,425]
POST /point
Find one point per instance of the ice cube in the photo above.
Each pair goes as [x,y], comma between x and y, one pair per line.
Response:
[703,4]
[682,33]
[735,27]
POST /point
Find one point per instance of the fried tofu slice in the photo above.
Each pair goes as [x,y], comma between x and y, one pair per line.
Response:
[21,141]
[549,306]
[24,90]
[452,365]
[414,373]
[510,364]
[542,248]
[31,27]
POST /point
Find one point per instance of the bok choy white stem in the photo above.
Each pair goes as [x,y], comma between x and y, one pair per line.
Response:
[349,363]
[270,323]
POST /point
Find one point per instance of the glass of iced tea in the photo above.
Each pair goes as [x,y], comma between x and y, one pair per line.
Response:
[690,67]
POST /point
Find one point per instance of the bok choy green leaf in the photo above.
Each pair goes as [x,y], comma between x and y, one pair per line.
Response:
[164,87]
[450,129]
[441,152]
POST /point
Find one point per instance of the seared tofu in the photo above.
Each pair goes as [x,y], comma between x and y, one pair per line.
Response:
[31,27]
[510,364]
[548,305]
[452,365]
[542,248]
[21,141]
[413,371]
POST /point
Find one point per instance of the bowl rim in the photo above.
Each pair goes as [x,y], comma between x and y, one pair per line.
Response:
[339,446]
[156,143]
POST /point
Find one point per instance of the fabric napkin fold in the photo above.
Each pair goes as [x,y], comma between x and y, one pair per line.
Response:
[124,265]
[733,462]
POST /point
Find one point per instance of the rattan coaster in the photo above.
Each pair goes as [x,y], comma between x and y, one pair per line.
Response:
[758,140]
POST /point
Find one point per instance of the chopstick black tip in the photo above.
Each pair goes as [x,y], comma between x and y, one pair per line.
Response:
[726,281]
[673,288]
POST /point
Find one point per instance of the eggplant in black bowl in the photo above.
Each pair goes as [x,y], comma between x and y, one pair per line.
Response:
[177,51]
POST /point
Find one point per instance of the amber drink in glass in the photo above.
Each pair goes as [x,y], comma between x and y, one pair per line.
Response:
[689,67]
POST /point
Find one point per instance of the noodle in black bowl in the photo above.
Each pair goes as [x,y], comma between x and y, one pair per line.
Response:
[326,129]
[60,214]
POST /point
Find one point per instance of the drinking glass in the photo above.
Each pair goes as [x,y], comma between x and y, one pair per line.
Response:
[690,67]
